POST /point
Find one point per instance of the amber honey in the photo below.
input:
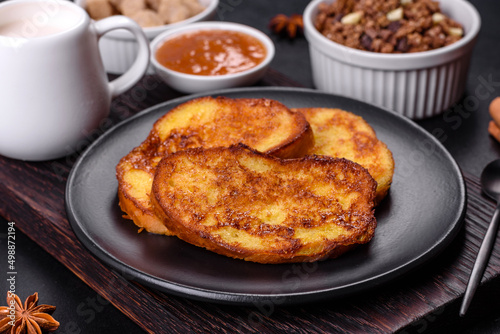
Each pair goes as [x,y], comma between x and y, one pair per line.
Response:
[211,52]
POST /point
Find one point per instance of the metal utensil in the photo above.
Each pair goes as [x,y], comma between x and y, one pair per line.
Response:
[490,182]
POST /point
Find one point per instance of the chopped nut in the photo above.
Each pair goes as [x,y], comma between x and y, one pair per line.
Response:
[352,18]
[395,15]
[437,17]
[395,26]
[456,31]
[387,48]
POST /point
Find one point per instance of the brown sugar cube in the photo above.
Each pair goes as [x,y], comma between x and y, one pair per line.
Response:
[153,4]
[130,7]
[147,18]
[115,3]
[99,9]
[194,7]
[172,11]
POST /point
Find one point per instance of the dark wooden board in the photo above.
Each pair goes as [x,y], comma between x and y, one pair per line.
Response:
[33,196]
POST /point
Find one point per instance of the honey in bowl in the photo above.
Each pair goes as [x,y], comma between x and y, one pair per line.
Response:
[211,52]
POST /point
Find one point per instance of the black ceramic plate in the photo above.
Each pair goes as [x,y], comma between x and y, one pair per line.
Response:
[421,215]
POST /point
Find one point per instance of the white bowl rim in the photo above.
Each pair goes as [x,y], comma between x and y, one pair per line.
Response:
[203,26]
[389,59]
[152,32]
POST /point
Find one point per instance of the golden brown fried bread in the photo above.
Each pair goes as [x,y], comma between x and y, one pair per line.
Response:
[244,204]
[342,134]
[263,124]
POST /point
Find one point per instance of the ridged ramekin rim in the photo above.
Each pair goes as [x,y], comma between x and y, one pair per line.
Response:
[387,61]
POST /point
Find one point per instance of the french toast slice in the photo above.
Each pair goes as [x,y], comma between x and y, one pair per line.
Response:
[241,203]
[263,124]
[342,134]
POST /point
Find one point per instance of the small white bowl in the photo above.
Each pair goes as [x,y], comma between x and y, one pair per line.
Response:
[190,83]
[118,48]
[416,85]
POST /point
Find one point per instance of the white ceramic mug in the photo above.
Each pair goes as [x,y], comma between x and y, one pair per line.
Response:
[54,90]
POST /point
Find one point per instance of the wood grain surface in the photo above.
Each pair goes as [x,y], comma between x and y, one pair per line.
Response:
[33,196]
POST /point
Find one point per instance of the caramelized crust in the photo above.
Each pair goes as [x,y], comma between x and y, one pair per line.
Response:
[244,204]
[339,133]
[263,124]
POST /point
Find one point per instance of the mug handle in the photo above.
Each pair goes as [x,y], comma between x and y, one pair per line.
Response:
[141,63]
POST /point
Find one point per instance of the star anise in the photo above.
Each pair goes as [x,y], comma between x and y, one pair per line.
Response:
[28,319]
[284,25]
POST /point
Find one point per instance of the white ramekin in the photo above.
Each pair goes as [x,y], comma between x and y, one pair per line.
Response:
[416,85]
[189,83]
[119,49]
